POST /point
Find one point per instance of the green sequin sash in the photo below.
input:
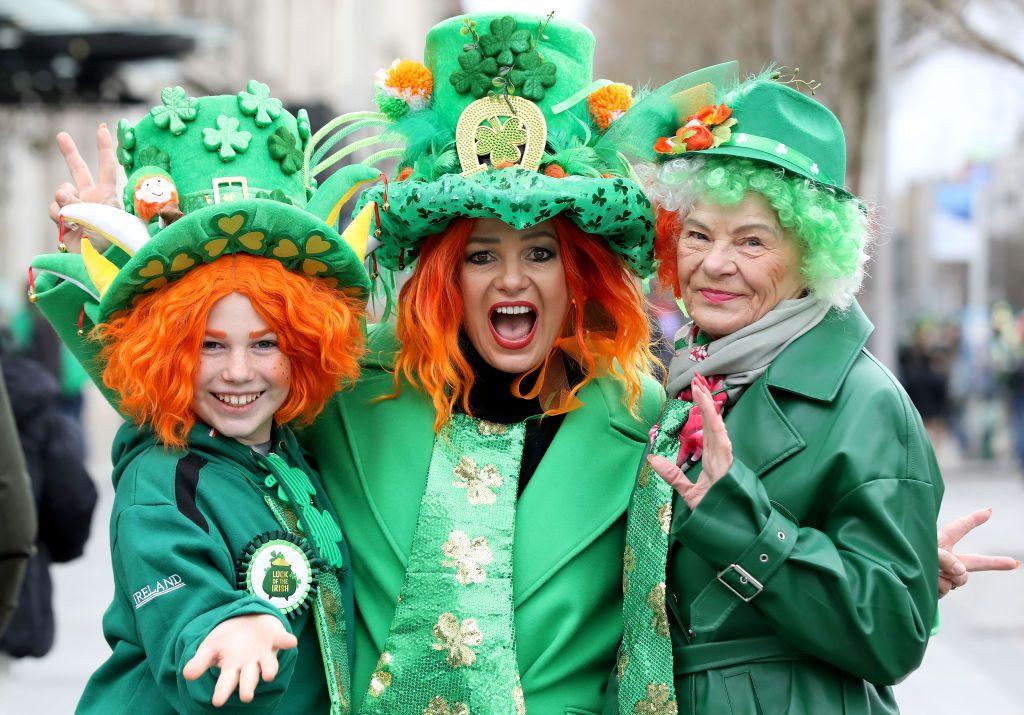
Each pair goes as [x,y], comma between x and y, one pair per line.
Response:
[295,512]
[451,649]
[644,668]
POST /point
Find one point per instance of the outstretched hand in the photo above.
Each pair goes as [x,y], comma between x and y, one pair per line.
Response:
[82,188]
[717,458]
[953,567]
[244,648]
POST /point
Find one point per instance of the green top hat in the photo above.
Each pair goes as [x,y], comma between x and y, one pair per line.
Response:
[214,176]
[760,118]
[514,130]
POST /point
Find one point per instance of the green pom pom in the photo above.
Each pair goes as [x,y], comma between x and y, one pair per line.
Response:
[390,106]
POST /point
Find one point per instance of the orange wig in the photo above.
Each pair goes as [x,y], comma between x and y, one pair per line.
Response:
[666,239]
[606,332]
[152,351]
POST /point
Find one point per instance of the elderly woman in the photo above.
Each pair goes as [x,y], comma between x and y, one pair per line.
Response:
[798,572]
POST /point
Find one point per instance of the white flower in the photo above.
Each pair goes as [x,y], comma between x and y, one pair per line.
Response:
[781,149]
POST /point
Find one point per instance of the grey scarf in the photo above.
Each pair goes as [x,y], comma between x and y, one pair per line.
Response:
[743,356]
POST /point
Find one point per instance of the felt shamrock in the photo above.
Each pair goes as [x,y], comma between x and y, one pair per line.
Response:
[256,100]
[533,75]
[125,143]
[475,75]
[151,156]
[176,109]
[226,138]
[505,41]
[284,149]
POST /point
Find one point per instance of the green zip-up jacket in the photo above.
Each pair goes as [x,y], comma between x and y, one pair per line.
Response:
[823,532]
[179,524]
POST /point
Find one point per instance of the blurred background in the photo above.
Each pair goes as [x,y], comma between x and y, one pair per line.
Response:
[931,95]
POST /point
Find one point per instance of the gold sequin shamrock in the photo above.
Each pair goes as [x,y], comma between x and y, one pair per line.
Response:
[477,481]
[621,664]
[656,701]
[656,602]
[505,41]
[475,75]
[519,700]
[176,109]
[490,429]
[628,564]
[256,100]
[284,150]
[532,75]
[500,140]
[381,679]
[458,639]
[440,706]
[307,253]
[466,557]
[226,138]
[665,516]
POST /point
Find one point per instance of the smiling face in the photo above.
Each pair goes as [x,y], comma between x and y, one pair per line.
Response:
[154,189]
[735,263]
[514,293]
[243,377]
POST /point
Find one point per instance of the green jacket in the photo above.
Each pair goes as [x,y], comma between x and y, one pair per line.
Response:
[570,525]
[831,506]
[179,524]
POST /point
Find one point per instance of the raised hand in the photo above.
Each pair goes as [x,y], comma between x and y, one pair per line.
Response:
[717,458]
[82,188]
[954,568]
[245,649]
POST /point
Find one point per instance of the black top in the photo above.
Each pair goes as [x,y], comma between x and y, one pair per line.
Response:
[491,399]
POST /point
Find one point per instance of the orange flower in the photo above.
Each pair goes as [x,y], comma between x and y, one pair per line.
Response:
[711,115]
[404,174]
[554,171]
[695,135]
[609,103]
[663,146]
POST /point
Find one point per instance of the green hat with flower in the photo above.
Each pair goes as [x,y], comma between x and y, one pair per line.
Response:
[763,117]
[214,176]
[504,120]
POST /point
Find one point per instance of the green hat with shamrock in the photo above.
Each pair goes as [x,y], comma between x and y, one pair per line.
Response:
[214,176]
[504,120]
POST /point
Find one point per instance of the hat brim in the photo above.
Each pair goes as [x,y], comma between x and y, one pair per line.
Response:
[767,158]
[301,242]
[615,209]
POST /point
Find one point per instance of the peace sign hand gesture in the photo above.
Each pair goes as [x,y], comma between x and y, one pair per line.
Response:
[717,459]
[84,189]
[953,568]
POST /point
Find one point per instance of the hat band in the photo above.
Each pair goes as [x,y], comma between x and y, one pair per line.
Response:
[782,151]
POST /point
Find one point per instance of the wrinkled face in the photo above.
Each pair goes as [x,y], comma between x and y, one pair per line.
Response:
[514,293]
[735,263]
[155,189]
[243,377]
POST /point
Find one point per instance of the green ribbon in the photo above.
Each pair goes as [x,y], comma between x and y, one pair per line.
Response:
[644,668]
[780,150]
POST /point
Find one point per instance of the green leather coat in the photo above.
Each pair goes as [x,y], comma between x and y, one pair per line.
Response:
[830,506]
[570,525]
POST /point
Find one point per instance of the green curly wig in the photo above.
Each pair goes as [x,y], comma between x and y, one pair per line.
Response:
[833,229]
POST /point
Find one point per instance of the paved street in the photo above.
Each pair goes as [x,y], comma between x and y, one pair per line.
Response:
[974,665]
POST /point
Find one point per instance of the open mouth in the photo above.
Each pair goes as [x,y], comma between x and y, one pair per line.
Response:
[237,401]
[513,324]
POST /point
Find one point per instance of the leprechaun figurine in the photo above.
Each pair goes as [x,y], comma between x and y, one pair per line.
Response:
[225,308]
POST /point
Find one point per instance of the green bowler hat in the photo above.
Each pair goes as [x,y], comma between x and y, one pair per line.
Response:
[514,129]
[215,176]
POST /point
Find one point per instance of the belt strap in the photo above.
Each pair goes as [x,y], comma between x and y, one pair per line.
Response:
[696,658]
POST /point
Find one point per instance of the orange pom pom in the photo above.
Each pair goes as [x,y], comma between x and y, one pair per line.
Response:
[609,103]
[554,171]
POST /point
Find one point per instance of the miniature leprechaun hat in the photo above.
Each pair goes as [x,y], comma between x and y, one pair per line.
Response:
[761,118]
[214,176]
[504,120]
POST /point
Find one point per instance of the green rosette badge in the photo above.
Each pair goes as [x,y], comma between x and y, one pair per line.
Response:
[280,568]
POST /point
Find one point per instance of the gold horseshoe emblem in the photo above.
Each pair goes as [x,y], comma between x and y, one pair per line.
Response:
[503,134]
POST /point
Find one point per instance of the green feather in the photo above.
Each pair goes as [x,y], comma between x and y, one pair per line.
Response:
[421,131]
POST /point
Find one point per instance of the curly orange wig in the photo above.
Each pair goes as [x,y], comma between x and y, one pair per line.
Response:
[607,330]
[152,352]
[666,238]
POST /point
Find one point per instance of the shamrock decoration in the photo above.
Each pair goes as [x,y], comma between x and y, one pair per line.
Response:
[475,75]
[501,142]
[125,142]
[284,149]
[656,702]
[440,706]
[656,602]
[533,75]
[302,124]
[257,100]
[458,639]
[151,156]
[177,108]
[505,40]
[226,138]
[477,481]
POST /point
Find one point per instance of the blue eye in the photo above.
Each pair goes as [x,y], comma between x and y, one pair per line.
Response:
[209,345]
[697,236]
[265,345]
